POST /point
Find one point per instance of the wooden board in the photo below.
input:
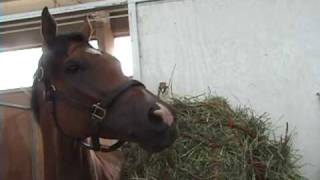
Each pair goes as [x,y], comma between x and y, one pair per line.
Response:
[20,141]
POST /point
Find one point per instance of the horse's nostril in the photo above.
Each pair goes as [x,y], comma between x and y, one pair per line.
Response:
[152,115]
[153,108]
[155,118]
[165,114]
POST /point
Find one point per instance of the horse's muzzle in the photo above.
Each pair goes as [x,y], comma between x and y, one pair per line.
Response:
[162,129]
[161,142]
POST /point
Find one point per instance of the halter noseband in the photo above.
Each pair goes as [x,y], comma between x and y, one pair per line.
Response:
[98,111]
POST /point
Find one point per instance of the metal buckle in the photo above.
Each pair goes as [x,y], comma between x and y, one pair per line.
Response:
[49,93]
[98,112]
[53,88]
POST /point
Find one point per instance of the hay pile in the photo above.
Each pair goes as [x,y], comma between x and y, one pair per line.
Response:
[217,142]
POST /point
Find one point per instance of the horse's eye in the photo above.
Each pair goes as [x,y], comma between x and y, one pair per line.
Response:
[72,69]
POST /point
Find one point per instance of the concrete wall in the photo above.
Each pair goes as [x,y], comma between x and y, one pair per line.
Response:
[264,54]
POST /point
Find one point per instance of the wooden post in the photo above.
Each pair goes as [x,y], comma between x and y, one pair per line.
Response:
[103,32]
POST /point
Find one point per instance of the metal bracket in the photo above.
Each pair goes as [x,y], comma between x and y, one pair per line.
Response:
[98,112]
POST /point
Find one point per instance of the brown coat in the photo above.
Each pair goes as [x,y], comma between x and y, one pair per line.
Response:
[21,153]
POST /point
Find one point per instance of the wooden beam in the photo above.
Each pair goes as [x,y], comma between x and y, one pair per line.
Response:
[26,34]
[104,32]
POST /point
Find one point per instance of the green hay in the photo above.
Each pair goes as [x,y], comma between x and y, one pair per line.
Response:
[217,142]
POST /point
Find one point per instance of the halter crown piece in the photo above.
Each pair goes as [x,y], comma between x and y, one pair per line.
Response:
[98,111]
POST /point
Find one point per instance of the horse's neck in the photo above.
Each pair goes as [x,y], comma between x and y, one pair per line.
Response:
[63,158]
[66,160]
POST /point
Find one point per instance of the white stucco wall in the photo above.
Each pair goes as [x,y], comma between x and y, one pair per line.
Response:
[264,54]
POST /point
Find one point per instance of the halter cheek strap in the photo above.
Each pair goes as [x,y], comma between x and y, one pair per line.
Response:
[98,113]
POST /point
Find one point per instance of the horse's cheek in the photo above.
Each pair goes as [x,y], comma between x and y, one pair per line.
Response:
[74,122]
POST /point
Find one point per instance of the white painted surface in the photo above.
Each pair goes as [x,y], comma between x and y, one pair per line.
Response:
[265,54]
[134,38]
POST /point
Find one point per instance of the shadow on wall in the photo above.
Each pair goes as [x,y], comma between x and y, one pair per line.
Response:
[318,174]
[318,171]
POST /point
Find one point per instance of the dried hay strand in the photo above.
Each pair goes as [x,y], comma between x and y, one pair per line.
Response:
[217,142]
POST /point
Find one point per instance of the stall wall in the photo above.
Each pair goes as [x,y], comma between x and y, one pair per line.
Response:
[263,54]
[21,154]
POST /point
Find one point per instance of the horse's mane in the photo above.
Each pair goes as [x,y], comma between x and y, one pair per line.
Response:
[55,49]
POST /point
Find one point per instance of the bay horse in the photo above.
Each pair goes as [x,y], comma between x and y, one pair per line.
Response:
[80,95]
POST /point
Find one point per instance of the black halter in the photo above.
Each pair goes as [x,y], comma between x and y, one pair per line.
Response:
[98,111]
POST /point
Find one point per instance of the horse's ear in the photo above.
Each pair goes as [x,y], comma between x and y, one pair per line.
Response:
[87,29]
[48,26]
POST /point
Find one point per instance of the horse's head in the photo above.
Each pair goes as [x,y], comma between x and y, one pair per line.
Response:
[92,97]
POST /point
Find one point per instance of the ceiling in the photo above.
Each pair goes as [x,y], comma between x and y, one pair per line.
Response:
[19,6]
[25,32]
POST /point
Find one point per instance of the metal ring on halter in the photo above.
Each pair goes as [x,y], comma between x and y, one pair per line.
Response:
[40,73]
